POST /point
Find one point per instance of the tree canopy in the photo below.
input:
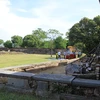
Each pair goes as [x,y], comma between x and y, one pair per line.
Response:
[86,32]
[1,41]
[8,44]
[39,36]
[28,41]
[60,43]
[17,41]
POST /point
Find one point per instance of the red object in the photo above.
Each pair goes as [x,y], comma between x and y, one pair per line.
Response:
[71,56]
[67,56]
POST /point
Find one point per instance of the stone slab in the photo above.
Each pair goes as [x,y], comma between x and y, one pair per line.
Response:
[18,83]
[14,74]
[61,78]
[86,82]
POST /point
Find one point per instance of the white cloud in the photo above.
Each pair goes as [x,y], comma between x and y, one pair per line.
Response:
[15,25]
[48,20]
[22,10]
[51,14]
[90,12]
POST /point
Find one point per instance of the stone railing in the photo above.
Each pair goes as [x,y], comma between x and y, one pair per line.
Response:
[49,84]
[32,50]
[43,84]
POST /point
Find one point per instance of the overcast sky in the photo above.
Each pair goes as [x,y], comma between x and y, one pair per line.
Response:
[20,17]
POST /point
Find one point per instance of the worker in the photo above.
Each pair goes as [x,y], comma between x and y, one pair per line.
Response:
[59,54]
[56,55]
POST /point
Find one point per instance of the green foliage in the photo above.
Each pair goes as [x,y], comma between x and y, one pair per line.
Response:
[17,41]
[60,43]
[87,32]
[8,44]
[45,44]
[97,20]
[39,36]
[39,33]
[79,45]
[1,41]
[28,41]
[53,34]
[39,39]
[36,39]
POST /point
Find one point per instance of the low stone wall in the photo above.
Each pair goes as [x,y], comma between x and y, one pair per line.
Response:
[15,81]
[46,85]
[44,65]
[32,50]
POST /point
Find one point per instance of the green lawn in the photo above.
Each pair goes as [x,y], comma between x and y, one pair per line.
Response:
[7,60]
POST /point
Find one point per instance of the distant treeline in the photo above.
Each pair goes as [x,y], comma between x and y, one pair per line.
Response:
[84,35]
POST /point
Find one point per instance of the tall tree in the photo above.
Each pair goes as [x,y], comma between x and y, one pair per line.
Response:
[60,43]
[39,37]
[45,44]
[8,44]
[52,34]
[17,41]
[28,41]
[97,28]
[85,32]
[1,41]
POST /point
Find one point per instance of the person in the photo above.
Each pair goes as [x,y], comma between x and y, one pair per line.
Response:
[64,55]
[76,54]
[56,55]
[79,53]
[59,54]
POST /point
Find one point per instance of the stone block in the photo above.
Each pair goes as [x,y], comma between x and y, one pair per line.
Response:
[42,89]
[20,83]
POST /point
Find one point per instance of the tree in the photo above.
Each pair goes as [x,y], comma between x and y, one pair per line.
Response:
[8,44]
[36,39]
[80,46]
[17,41]
[1,41]
[39,36]
[85,32]
[28,41]
[97,28]
[60,43]
[52,34]
[45,44]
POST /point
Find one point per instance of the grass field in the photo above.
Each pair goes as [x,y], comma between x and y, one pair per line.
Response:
[7,60]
